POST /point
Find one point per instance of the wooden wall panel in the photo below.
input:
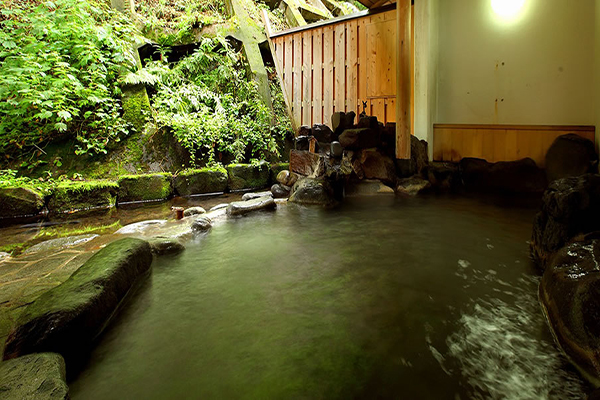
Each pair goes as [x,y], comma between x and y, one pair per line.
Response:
[317,97]
[326,68]
[307,95]
[499,142]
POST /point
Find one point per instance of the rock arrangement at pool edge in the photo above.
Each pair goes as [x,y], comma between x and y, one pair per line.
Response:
[566,246]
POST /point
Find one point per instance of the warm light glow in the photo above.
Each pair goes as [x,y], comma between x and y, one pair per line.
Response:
[507,8]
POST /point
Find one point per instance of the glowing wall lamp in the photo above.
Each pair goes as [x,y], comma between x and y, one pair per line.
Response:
[508,9]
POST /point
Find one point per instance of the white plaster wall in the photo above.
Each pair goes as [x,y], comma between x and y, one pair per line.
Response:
[538,69]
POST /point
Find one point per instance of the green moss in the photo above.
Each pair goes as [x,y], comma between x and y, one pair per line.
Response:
[13,248]
[136,106]
[20,201]
[204,180]
[68,317]
[248,176]
[75,196]
[145,187]
[58,232]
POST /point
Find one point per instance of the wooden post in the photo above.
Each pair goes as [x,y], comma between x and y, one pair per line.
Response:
[403,73]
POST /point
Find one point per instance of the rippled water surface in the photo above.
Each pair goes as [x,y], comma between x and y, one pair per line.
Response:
[431,298]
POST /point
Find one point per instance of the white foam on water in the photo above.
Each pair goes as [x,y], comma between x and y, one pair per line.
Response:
[464,264]
[490,246]
[499,354]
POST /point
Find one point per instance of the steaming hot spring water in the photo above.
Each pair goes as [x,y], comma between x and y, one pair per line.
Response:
[426,298]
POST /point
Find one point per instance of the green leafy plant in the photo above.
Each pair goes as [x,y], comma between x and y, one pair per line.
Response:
[59,64]
[213,107]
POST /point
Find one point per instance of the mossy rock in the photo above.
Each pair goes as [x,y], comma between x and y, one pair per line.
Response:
[145,187]
[76,196]
[248,176]
[35,376]
[204,180]
[277,168]
[67,318]
[20,201]
[136,106]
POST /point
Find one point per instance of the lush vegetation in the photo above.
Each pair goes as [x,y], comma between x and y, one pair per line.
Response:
[212,105]
[177,21]
[59,68]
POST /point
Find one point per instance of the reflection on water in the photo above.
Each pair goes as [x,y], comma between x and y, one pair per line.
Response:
[431,298]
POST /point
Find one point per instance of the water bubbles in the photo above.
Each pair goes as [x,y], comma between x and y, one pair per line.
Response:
[499,355]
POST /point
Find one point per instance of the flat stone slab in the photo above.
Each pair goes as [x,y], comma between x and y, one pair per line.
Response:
[35,376]
[250,196]
[244,207]
[67,318]
[60,243]
[139,227]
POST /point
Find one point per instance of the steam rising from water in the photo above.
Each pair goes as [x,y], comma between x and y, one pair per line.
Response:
[499,356]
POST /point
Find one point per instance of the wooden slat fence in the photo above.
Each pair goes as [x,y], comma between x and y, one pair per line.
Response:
[337,66]
[499,142]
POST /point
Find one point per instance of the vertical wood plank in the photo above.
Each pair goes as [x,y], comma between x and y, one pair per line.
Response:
[437,144]
[340,67]
[378,107]
[287,69]
[362,62]
[510,145]
[488,145]
[328,46]
[457,144]
[499,138]
[476,138]
[446,145]
[317,116]
[390,113]
[307,78]
[403,72]
[352,67]
[297,78]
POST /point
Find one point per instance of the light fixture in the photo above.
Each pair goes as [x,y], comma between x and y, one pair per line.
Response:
[507,9]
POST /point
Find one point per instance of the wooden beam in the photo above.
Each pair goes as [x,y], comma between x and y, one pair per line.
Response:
[403,72]
[278,69]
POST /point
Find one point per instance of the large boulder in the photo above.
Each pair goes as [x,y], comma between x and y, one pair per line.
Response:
[244,207]
[322,133]
[570,297]
[570,208]
[340,121]
[20,201]
[313,191]
[162,246]
[287,178]
[373,164]
[306,163]
[356,139]
[188,212]
[303,143]
[79,196]
[201,224]
[67,318]
[248,176]
[522,176]
[145,187]
[570,155]
[412,186]
[443,176]
[204,180]
[39,376]
[279,191]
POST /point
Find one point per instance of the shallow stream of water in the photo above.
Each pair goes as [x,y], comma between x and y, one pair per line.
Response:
[426,298]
